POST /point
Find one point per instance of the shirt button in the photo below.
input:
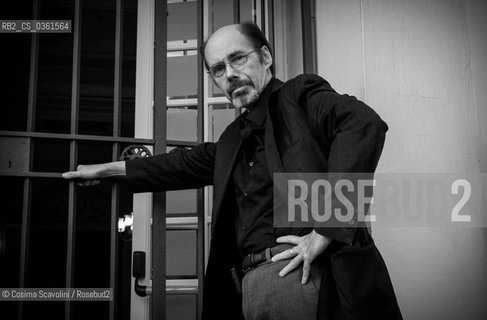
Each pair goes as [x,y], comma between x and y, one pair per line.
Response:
[245,194]
[244,228]
[251,164]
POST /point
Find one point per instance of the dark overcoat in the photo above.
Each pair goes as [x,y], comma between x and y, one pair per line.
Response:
[309,128]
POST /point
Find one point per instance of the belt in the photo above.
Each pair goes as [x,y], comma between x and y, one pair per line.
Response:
[263,256]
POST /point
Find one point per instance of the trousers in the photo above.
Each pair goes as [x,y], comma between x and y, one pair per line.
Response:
[266,295]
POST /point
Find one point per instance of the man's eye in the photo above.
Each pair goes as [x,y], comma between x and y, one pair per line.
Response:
[218,69]
[238,58]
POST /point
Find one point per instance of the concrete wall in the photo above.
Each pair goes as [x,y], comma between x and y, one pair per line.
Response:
[421,65]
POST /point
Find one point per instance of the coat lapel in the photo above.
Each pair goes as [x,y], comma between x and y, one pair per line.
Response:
[274,163]
[226,156]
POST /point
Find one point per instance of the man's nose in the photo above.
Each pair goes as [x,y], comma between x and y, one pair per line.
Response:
[230,71]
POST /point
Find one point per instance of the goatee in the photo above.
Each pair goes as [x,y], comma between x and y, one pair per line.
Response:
[245,99]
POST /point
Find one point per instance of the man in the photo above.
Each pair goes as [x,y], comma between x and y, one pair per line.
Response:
[302,125]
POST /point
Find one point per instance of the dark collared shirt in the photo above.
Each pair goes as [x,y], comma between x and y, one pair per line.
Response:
[253,184]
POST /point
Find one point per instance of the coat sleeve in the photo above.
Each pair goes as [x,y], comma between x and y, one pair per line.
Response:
[354,134]
[176,170]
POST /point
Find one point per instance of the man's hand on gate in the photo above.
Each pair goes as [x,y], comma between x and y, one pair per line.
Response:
[90,175]
[306,249]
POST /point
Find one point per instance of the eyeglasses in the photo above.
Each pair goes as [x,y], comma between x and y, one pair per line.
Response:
[239,60]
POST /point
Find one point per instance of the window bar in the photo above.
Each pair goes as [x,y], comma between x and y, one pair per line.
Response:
[205,26]
[236,11]
[27,188]
[117,87]
[114,238]
[73,152]
[25,232]
[117,106]
[30,174]
[200,196]
[34,49]
[24,244]
[158,297]
[200,73]
[309,39]
[67,136]
[270,23]
[258,14]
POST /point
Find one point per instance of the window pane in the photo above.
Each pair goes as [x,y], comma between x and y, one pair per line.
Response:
[128,68]
[51,155]
[49,212]
[92,269]
[90,152]
[54,73]
[181,307]
[219,117]
[97,67]
[10,236]
[11,198]
[181,253]
[176,14]
[182,77]
[15,152]
[246,8]
[127,128]
[15,66]
[47,244]
[181,201]
[93,203]
[93,227]
[182,123]
[221,14]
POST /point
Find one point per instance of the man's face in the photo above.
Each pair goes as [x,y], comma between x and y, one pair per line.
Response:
[243,85]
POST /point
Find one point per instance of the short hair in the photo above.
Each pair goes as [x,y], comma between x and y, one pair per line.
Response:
[255,36]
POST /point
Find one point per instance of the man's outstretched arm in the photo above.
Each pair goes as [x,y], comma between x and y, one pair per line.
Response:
[89,175]
[176,170]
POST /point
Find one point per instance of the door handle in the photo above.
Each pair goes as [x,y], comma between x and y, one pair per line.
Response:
[138,272]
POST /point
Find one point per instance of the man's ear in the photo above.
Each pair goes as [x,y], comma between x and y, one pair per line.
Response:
[266,56]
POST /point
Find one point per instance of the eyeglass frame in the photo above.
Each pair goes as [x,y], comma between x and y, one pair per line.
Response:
[228,62]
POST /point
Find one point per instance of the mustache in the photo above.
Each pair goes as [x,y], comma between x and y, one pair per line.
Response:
[237,84]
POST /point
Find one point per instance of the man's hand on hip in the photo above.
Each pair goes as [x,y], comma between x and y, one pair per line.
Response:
[306,249]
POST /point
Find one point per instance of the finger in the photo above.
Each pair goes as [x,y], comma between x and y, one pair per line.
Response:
[280,256]
[87,183]
[93,182]
[306,270]
[287,254]
[70,175]
[288,239]
[291,266]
